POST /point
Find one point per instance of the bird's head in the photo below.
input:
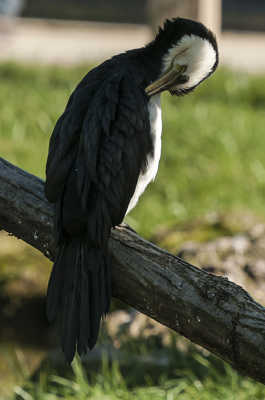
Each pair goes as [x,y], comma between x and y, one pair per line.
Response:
[188,53]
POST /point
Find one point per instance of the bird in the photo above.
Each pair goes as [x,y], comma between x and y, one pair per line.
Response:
[103,152]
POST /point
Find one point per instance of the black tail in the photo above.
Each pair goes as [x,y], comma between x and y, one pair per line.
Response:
[80,291]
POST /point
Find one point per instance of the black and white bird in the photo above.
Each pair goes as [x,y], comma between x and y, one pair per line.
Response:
[104,151]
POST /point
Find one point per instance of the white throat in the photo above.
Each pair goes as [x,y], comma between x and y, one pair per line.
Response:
[149,175]
[197,54]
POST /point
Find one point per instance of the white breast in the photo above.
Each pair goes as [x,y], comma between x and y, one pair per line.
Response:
[153,161]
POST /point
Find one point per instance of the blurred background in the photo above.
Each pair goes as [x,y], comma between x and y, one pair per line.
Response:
[206,205]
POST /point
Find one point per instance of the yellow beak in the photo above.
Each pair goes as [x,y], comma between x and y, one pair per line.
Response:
[166,81]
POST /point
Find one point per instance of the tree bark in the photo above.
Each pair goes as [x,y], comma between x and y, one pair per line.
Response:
[209,310]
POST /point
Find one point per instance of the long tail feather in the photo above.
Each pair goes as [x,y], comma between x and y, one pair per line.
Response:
[79,292]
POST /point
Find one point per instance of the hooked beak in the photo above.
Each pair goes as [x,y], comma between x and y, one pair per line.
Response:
[166,81]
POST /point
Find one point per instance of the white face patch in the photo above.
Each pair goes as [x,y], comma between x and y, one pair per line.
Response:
[197,54]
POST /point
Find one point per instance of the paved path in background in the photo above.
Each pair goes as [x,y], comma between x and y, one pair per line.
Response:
[61,42]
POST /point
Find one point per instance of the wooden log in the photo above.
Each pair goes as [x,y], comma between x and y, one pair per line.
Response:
[209,310]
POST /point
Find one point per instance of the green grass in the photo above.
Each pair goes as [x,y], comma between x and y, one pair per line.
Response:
[31,100]
[186,377]
[212,160]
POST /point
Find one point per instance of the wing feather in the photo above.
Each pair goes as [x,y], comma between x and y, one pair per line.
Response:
[97,151]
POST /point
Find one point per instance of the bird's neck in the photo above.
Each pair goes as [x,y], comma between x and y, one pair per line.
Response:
[149,63]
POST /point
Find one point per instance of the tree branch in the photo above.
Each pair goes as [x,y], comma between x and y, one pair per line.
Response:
[208,310]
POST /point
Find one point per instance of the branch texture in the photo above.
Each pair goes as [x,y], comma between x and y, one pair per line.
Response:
[209,310]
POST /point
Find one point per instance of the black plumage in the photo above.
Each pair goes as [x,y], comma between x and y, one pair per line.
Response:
[97,151]
[99,147]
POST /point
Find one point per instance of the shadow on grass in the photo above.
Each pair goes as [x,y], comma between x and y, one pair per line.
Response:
[147,370]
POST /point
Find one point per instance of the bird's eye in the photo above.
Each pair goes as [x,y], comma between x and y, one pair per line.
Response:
[183,79]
